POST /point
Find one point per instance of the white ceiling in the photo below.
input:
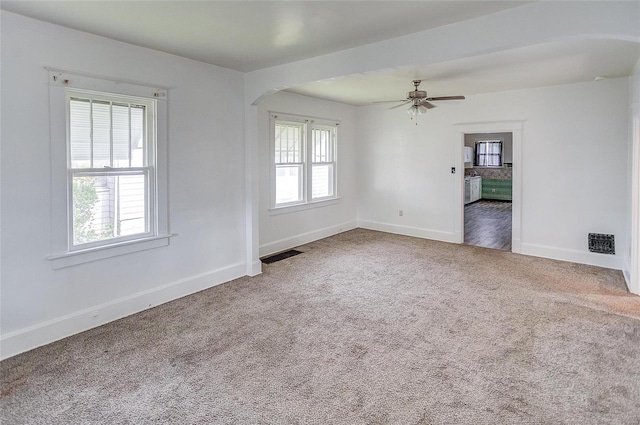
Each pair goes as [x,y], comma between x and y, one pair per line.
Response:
[252,35]
[541,65]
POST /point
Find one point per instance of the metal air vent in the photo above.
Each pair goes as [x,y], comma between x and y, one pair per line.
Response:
[602,244]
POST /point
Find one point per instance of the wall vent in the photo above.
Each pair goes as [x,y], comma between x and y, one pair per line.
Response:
[602,244]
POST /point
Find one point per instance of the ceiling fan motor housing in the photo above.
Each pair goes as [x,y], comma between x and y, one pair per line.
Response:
[416,94]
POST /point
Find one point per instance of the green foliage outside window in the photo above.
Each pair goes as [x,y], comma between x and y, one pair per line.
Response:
[85,198]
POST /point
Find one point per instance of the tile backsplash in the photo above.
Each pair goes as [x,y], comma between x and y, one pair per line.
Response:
[502,173]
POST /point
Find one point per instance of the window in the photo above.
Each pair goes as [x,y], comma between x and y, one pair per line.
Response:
[304,154]
[289,160]
[322,163]
[108,168]
[489,153]
[111,168]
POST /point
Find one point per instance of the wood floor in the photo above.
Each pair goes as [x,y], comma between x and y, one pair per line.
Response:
[488,224]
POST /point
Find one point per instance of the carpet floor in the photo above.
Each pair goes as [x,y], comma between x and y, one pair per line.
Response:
[361,328]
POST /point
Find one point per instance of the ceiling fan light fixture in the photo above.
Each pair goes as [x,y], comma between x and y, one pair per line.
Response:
[418,101]
[416,109]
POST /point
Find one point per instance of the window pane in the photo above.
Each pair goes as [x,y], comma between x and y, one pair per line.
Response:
[288,141]
[80,133]
[322,181]
[132,204]
[489,154]
[322,145]
[108,206]
[288,183]
[120,135]
[138,144]
[101,134]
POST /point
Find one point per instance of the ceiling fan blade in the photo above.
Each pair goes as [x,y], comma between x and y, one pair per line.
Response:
[390,101]
[402,104]
[446,98]
[427,104]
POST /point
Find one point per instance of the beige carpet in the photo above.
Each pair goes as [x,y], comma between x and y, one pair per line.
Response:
[362,328]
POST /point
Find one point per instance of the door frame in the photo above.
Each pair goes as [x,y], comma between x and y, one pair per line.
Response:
[633,275]
[514,127]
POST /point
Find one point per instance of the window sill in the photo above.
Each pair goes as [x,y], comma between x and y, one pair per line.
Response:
[301,207]
[60,261]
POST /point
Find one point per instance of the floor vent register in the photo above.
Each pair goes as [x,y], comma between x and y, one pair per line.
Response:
[280,256]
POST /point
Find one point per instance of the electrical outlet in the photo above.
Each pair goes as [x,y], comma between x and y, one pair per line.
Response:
[401,213]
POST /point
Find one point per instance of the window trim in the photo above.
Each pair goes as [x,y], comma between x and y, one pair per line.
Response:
[302,164]
[334,131]
[148,169]
[62,254]
[301,207]
[307,200]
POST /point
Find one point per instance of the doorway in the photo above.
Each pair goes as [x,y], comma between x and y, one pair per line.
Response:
[488,178]
[490,215]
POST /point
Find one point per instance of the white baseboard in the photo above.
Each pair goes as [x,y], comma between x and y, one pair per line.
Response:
[44,333]
[418,232]
[297,240]
[627,278]
[254,268]
[574,256]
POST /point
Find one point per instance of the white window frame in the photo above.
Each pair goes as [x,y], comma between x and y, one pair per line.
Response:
[500,154]
[62,87]
[148,170]
[308,124]
[331,152]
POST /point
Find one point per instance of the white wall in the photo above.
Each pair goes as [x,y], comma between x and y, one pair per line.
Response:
[284,231]
[631,266]
[574,156]
[206,185]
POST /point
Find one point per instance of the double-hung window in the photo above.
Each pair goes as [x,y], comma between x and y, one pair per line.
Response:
[108,168]
[304,160]
[323,161]
[111,142]
[489,153]
[289,162]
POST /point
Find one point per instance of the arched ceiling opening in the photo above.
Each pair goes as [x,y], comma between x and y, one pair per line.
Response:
[545,64]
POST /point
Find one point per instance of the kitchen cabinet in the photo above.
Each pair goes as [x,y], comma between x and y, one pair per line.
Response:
[497,189]
[468,156]
[472,189]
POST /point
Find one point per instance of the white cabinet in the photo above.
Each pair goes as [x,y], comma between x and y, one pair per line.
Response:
[472,189]
[468,154]
[467,190]
[476,188]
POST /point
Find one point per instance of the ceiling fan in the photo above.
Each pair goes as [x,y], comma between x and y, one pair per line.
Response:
[418,100]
